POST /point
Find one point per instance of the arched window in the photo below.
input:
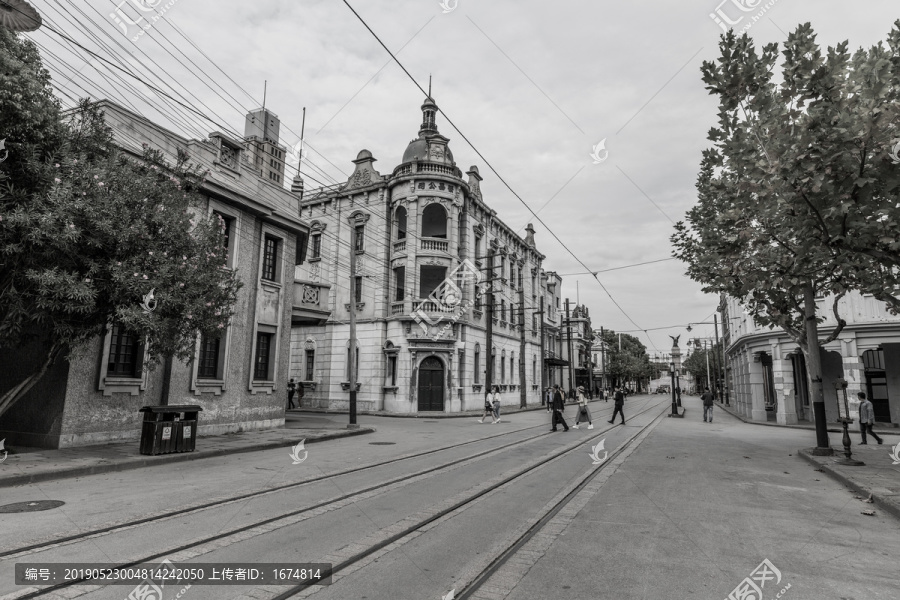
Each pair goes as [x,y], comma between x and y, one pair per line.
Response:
[400,223]
[434,221]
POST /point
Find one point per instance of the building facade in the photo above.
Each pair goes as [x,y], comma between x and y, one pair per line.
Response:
[766,371]
[426,246]
[238,378]
[579,338]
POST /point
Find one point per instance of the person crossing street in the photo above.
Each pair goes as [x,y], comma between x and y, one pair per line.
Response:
[866,418]
[583,411]
[707,398]
[559,404]
[619,405]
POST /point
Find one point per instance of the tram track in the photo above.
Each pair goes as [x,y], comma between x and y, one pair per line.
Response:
[462,503]
[349,497]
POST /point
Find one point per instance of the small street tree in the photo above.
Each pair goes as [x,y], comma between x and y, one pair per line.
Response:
[631,362]
[90,237]
[797,199]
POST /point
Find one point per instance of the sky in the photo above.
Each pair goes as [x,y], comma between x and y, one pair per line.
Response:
[535,86]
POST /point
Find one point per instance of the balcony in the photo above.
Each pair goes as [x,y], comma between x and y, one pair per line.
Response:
[435,245]
[398,308]
[399,246]
[310,303]
[430,306]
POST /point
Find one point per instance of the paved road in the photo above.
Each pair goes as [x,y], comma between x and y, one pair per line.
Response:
[682,509]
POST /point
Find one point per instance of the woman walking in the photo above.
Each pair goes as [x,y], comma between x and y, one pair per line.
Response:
[492,406]
[584,413]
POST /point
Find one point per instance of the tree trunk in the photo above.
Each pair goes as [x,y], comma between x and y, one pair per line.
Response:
[14,394]
[814,367]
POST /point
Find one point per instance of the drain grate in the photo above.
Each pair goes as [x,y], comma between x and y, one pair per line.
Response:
[33,506]
[382,443]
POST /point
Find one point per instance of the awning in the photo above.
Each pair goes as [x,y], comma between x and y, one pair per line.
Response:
[556,362]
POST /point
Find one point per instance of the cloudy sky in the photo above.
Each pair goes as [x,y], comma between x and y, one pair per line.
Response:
[534,85]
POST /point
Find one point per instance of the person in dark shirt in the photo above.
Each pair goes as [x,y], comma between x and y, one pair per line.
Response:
[619,405]
[559,405]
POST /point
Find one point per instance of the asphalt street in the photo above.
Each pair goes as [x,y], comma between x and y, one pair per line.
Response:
[681,509]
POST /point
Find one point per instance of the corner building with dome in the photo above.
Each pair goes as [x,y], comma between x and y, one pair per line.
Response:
[419,235]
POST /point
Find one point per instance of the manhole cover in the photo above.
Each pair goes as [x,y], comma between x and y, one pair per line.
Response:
[382,443]
[33,506]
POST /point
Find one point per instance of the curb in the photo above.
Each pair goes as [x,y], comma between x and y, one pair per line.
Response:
[138,463]
[887,506]
[830,429]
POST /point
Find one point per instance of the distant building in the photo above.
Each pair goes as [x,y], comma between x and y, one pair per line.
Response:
[582,338]
[238,378]
[421,235]
[261,141]
[767,373]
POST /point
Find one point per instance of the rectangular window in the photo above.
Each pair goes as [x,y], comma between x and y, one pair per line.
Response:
[462,369]
[270,259]
[392,366]
[208,366]
[124,354]
[359,235]
[430,277]
[502,370]
[477,366]
[478,247]
[262,361]
[399,284]
[358,286]
[310,365]
[317,245]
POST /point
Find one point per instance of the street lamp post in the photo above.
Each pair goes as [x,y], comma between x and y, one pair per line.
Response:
[674,405]
[844,418]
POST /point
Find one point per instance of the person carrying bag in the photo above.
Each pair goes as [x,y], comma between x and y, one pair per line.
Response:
[584,413]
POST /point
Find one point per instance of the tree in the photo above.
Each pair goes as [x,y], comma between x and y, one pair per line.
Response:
[798,196]
[629,363]
[88,234]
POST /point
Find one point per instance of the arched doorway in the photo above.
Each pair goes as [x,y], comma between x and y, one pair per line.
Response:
[431,385]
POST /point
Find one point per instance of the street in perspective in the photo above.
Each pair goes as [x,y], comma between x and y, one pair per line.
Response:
[436,299]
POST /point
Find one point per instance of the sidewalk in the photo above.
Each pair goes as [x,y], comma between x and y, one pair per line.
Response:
[36,464]
[832,427]
[504,410]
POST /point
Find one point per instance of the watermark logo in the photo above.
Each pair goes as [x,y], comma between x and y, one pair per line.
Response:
[5,151]
[149,589]
[895,455]
[600,152]
[751,588]
[450,595]
[5,453]
[447,299]
[895,153]
[739,9]
[449,5]
[596,450]
[149,303]
[143,25]
[296,450]
[293,154]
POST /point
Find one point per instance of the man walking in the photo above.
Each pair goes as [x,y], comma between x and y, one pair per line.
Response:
[619,405]
[291,388]
[559,405]
[707,398]
[866,418]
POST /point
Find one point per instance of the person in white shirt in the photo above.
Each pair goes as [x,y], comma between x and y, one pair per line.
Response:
[584,413]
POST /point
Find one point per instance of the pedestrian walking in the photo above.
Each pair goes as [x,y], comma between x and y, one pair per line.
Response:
[866,418]
[619,405]
[291,387]
[559,405]
[489,402]
[549,394]
[584,413]
[707,398]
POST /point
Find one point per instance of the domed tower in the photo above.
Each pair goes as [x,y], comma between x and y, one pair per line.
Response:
[430,146]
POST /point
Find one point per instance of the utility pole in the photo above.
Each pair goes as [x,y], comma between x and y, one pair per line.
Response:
[603,360]
[489,334]
[353,351]
[706,352]
[523,401]
[569,346]
[543,363]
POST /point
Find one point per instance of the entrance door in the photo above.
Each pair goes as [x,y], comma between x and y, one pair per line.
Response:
[876,384]
[431,385]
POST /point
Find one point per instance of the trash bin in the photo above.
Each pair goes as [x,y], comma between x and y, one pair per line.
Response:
[168,429]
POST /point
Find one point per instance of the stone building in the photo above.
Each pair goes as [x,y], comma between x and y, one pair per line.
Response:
[238,378]
[426,246]
[578,327]
[766,370]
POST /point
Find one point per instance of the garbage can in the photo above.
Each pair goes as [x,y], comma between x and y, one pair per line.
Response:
[168,429]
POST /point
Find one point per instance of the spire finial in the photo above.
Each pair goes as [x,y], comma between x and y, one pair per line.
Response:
[429,85]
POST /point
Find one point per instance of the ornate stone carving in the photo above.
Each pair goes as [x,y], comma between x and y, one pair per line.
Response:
[315,272]
[310,294]
[437,153]
[362,177]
